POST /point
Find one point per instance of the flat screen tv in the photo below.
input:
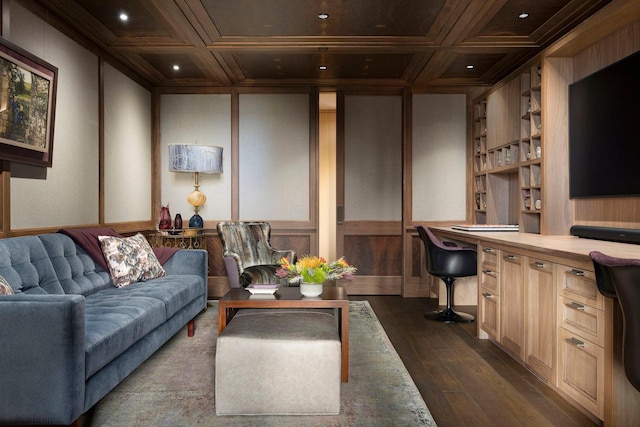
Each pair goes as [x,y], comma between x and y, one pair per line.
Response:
[604,132]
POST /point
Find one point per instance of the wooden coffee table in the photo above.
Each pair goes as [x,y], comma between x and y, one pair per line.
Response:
[290,297]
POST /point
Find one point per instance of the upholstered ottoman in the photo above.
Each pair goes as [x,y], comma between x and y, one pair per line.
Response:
[278,361]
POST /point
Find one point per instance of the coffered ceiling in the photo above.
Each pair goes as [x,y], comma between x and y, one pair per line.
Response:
[362,43]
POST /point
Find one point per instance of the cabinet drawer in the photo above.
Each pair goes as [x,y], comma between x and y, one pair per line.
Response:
[489,310]
[588,322]
[489,278]
[489,255]
[580,286]
[581,371]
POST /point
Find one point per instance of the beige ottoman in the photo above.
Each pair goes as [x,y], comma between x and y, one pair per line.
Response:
[278,362]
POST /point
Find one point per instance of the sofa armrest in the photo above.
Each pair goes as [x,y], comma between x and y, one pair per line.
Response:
[190,261]
[42,358]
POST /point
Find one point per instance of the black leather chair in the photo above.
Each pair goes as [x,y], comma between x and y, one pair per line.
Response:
[448,261]
[620,278]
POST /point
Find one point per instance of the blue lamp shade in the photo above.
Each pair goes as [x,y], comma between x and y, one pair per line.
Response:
[195,158]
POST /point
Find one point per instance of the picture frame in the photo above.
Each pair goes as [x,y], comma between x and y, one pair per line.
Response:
[28,87]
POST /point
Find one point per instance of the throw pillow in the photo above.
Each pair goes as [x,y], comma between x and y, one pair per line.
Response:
[130,259]
[5,288]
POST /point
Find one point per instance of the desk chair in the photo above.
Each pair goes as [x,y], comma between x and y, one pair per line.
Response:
[448,262]
[620,278]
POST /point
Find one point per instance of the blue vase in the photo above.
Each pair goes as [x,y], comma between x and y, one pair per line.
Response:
[196,221]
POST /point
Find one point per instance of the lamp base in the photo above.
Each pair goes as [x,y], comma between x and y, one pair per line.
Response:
[196,221]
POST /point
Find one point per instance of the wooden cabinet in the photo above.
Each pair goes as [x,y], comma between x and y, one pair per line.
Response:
[480,161]
[512,304]
[541,301]
[508,186]
[489,295]
[540,317]
[581,338]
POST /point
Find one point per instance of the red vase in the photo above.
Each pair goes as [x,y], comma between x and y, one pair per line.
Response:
[165,218]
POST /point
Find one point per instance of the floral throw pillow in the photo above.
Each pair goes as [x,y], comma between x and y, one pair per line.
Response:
[130,259]
[5,288]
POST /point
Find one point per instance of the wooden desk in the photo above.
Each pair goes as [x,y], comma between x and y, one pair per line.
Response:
[545,262]
[290,297]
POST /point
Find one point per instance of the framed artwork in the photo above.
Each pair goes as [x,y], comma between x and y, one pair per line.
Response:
[27,106]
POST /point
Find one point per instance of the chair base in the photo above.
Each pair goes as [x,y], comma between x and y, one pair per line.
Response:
[449,316]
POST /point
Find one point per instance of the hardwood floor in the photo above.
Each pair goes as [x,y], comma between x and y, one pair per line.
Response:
[463,380]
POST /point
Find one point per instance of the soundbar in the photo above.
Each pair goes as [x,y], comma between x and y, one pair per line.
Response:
[622,235]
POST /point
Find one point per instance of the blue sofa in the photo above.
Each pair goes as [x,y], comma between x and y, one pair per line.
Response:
[69,336]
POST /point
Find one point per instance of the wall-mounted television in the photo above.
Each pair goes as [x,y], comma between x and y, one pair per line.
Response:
[604,132]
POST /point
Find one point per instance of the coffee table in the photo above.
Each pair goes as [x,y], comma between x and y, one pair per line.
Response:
[290,297]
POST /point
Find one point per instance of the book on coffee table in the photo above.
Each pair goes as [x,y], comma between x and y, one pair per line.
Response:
[485,227]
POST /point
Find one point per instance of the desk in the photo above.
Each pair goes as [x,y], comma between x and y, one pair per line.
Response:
[290,297]
[546,304]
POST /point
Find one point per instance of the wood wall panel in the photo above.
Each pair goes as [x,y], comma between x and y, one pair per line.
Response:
[503,107]
[416,256]
[608,211]
[299,243]
[375,255]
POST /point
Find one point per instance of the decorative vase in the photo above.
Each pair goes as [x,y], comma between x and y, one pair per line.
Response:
[165,218]
[310,289]
[177,222]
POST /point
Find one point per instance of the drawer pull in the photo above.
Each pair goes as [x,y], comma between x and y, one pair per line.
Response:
[487,295]
[575,341]
[575,272]
[510,257]
[487,250]
[537,264]
[488,272]
[576,306]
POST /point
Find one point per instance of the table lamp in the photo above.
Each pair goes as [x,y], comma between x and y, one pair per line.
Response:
[196,159]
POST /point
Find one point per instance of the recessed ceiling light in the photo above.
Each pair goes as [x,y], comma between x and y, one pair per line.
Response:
[470,66]
[523,15]
[323,15]
[176,67]
[124,17]
[323,67]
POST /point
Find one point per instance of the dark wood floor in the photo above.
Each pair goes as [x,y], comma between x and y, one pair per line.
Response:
[463,380]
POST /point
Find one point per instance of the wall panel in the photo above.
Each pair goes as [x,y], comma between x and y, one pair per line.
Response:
[127,149]
[438,151]
[67,193]
[197,119]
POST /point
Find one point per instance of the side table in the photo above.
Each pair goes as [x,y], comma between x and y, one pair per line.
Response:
[181,240]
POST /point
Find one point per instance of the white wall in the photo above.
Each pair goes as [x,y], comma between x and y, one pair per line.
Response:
[127,147]
[196,119]
[69,194]
[274,157]
[439,153]
[373,158]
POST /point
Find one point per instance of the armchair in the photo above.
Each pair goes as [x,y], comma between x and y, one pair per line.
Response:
[248,255]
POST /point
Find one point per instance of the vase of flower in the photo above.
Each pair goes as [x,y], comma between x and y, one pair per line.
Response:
[309,289]
[311,272]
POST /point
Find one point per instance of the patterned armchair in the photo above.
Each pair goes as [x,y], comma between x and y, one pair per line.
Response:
[248,255]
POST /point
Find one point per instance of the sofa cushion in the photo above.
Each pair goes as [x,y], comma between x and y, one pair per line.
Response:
[130,259]
[113,323]
[77,272]
[25,264]
[175,291]
[116,318]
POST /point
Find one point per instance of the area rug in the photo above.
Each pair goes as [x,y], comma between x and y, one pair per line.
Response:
[175,387]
